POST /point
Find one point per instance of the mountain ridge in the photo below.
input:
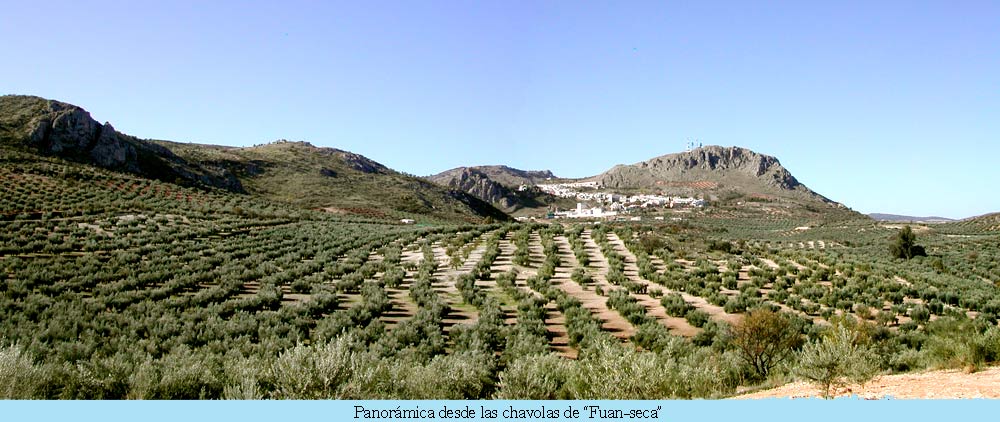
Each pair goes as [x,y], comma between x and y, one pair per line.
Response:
[712,169]
[297,173]
[909,218]
[328,178]
[710,172]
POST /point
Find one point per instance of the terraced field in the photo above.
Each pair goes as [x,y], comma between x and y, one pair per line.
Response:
[120,287]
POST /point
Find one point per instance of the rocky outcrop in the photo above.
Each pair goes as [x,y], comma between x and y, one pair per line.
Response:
[497,185]
[481,186]
[711,167]
[362,163]
[508,177]
[68,131]
[512,177]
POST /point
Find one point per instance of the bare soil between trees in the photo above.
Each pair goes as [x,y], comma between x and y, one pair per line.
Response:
[942,384]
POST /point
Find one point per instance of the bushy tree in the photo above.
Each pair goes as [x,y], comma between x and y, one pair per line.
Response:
[904,245]
[836,360]
[763,339]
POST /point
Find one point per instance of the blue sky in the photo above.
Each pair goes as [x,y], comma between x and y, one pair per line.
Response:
[884,106]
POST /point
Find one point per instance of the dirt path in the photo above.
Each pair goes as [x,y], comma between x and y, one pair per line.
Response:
[611,320]
[503,263]
[403,307]
[506,261]
[555,321]
[568,262]
[949,384]
[444,285]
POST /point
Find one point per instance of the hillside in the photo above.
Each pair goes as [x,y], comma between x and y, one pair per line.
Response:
[987,224]
[335,180]
[67,131]
[908,218]
[294,173]
[500,186]
[711,170]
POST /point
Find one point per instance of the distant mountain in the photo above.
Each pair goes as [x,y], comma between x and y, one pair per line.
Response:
[908,218]
[292,172]
[501,186]
[728,174]
[711,170]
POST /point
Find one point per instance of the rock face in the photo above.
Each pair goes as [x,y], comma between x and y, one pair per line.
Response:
[478,184]
[362,163]
[711,167]
[68,131]
[508,177]
[497,185]
[512,177]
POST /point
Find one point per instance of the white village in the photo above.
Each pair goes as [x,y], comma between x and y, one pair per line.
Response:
[611,204]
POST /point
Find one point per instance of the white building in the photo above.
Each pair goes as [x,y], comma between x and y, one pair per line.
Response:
[582,211]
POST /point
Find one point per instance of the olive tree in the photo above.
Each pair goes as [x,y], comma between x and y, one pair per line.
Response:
[836,360]
[764,338]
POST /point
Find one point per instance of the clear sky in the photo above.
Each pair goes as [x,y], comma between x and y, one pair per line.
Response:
[885,106]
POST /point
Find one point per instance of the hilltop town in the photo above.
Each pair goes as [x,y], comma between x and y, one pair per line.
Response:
[610,203]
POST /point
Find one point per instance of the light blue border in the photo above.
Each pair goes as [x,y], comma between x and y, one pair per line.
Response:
[769,410]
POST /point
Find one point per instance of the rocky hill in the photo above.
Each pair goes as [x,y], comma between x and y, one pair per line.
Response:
[710,170]
[479,185]
[500,186]
[291,172]
[65,130]
[506,176]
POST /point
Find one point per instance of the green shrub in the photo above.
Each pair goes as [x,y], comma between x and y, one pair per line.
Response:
[534,377]
[458,376]
[18,374]
[836,360]
[316,372]
[675,305]
[697,317]
[957,343]
[920,314]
